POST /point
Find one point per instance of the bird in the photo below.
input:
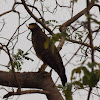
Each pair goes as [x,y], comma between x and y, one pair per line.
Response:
[53,59]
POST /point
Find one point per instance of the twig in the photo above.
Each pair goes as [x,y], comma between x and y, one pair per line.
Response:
[73,19]
[33,16]
[89,93]
[91,40]
[25,92]
[82,43]
[12,65]
[2,25]
[8,11]
[34,8]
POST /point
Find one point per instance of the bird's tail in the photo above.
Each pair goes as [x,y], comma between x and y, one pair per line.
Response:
[61,73]
[63,79]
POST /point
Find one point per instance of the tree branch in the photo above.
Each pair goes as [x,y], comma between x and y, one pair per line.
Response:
[82,43]
[25,92]
[33,16]
[73,19]
[39,80]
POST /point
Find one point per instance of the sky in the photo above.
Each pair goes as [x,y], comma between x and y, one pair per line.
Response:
[61,15]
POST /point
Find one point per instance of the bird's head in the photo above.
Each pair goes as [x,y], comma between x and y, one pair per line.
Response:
[33,26]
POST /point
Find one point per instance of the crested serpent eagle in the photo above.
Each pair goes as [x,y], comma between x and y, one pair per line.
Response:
[53,59]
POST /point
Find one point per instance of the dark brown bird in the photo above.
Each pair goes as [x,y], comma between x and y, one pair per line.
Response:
[53,59]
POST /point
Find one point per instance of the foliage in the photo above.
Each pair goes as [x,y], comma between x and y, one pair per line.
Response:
[67,91]
[90,76]
[18,59]
[50,22]
[51,41]
[67,35]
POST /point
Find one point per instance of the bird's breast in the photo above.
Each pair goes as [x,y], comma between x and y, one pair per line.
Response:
[38,44]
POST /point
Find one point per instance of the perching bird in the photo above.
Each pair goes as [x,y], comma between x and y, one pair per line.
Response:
[53,59]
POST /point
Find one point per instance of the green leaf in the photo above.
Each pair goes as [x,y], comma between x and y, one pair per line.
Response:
[77,71]
[50,22]
[75,0]
[18,59]
[60,87]
[52,47]
[91,80]
[85,70]
[55,37]
[91,65]
[78,84]
[26,53]
[85,80]
[68,92]
[46,44]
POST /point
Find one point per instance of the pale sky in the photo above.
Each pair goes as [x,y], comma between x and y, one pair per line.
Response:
[62,15]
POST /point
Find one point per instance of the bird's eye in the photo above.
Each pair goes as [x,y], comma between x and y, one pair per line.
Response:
[31,26]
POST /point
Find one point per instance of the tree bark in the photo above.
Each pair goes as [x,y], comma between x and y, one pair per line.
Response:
[39,80]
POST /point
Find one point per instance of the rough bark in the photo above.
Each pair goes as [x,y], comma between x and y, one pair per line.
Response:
[39,80]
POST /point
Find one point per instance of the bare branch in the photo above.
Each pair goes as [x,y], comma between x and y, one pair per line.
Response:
[34,8]
[8,11]
[2,25]
[25,92]
[33,16]
[73,19]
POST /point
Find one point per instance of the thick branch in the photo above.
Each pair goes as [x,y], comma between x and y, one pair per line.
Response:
[73,19]
[39,80]
[33,16]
